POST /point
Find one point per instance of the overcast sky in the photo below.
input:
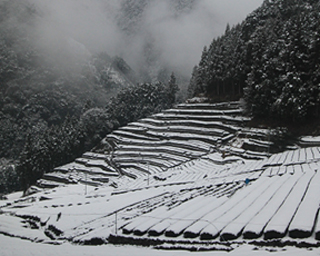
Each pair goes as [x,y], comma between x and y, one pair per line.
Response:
[178,41]
[184,39]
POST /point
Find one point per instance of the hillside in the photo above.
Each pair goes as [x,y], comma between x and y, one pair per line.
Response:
[192,177]
[104,161]
[58,75]
[271,59]
[42,82]
[163,142]
[47,80]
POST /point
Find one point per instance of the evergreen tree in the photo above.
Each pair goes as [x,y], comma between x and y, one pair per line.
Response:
[192,88]
[201,78]
[172,89]
[272,57]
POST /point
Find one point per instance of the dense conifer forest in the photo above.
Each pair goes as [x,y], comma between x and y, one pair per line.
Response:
[271,59]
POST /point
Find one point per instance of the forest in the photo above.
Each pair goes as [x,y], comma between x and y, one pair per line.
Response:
[271,60]
[55,105]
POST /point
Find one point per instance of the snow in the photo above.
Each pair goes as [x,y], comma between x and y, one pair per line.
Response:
[14,247]
[204,111]
[219,208]
[236,119]
[256,225]
[10,224]
[234,228]
[279,223]
[187,188]
[199,103]
[232,209]
[170,217]
[203,208]
[310,140]
[141,225]
[197,214]
[154,123]
[303,221]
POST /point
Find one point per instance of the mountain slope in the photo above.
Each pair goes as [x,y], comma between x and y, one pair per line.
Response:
[272,58]
[189,177]
[165,141]
[47,78]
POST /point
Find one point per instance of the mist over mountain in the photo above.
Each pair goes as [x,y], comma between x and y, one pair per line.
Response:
[64,62]
[154,37]
[49,82]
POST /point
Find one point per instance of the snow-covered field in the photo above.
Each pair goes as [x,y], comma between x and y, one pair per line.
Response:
[16,247]
[156,185]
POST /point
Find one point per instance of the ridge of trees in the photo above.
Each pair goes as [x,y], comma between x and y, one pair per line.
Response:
[271,59]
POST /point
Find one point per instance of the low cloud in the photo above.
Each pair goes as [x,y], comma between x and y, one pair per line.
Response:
[177,39]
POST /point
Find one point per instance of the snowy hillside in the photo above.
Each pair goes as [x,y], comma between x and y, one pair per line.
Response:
[158,148]
[193,177]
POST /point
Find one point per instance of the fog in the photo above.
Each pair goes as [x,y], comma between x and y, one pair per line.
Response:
[156,36]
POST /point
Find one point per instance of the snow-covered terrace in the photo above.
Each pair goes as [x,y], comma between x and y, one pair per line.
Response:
[186,188]
[203,202]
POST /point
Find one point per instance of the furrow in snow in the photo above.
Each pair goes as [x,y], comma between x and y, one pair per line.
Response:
[256,225]
[196,228]
[158,227]
[233,229]
[303,222]
[278,225]
[223,218]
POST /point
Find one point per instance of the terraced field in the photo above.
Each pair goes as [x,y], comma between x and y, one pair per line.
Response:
[193,177]
[160,146]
